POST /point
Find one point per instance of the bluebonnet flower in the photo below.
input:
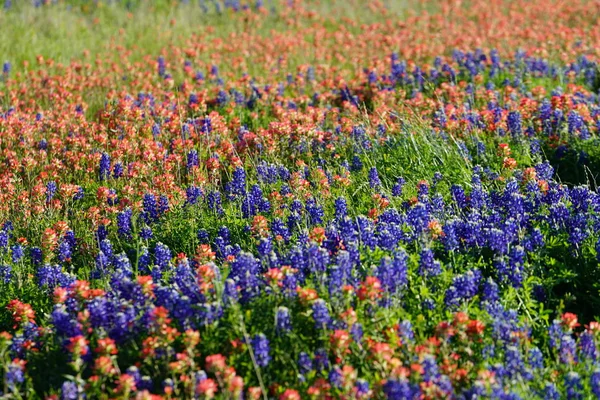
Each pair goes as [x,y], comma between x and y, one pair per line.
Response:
[279,228]
[406,332]
[163,204]
[144,382]
[535,240]
[206,123]
[260,346]
[341,208]
[576,124]
[162,66]
[65,323]
[5,273]
[559,215]
[192,159]
[64,251]
[336,377]
[79,195]
[514,123]
[464,150]
[430,369]
[356,165]
[203,236]
[244,271]
[573,385]
[450,238]
[162,255]
[362,387]
[374,180]
[423,191]
[52,276]
[255,202]
[336,280]
[150,206]
[439,117]
[588,346]
[568,349]
[146,233]
[193,99]
[391,216]
[393,273]
[70,391]
[4,236]
[488,352]
[513,362]
[577,230]
[321,314]
[428,304]
[104,166]
[437,178]
[102,262]
[463,288]
[315,212]
[124,225]
[397,188]
[36,255]
[545,115]
[118,170]
[106,248]
[122,264]
[270,173]
[535,147]
[14,376]
[536,358]
[289,285]
[238,182]
[551,392]
[555,333]
[356,330]
[539,293]
[595,383]
[459,196]
[544,171]
[478,390]
[366,231]
[296,206]
[193,193]
[155,130]
[417,218]
[6,67]
[17,253]
[428,266]
[283,322]
[321,360]
[51,188]
[400,389]
[512,272]
[498,241]
[318,259]
[305,363]
[284,175]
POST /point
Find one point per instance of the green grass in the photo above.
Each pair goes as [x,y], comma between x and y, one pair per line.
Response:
[64,31]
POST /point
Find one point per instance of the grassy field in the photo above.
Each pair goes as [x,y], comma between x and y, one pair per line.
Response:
[299,199]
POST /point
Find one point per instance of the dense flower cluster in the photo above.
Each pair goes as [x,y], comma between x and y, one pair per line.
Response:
[410,211]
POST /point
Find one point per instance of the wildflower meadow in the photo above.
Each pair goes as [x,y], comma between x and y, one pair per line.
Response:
[299,199]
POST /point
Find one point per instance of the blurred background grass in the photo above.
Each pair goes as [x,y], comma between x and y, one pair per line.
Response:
[62,30]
